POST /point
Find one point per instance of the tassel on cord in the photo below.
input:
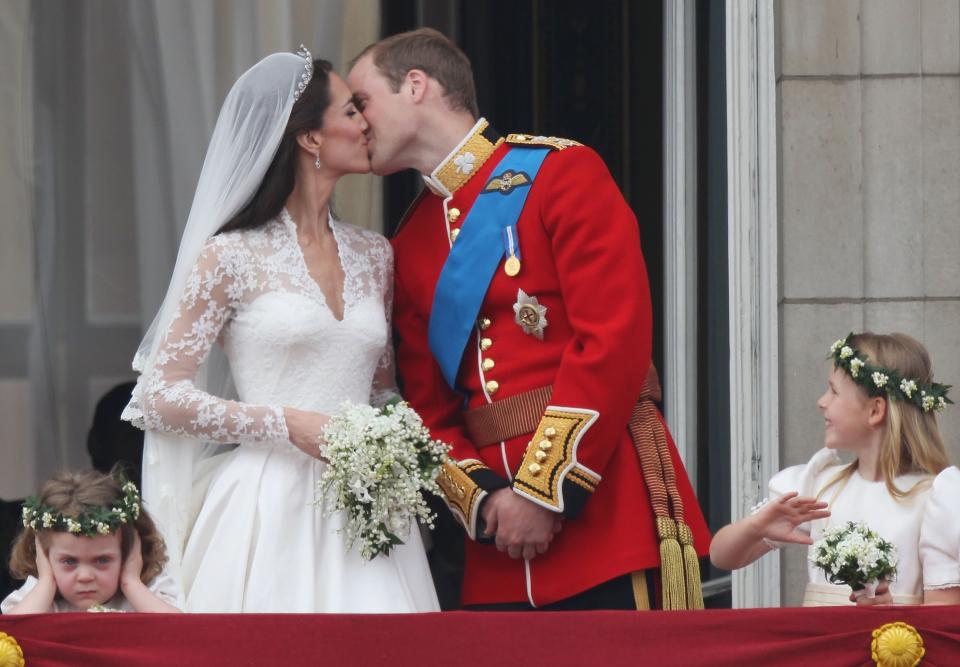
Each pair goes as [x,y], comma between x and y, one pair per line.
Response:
[671,565]
[691,566]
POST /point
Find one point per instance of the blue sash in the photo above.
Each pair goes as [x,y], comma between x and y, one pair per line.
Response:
[474,258]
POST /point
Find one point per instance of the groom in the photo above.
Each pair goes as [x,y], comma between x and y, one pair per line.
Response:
[524,323]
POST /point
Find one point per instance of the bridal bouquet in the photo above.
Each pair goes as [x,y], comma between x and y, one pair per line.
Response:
[854,555]
[380,460]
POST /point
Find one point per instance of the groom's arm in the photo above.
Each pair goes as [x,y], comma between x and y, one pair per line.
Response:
[466,481]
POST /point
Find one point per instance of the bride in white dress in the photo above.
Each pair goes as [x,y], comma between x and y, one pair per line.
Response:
[276,302]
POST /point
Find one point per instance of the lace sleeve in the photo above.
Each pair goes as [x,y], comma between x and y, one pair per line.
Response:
[172,402]
[385,378]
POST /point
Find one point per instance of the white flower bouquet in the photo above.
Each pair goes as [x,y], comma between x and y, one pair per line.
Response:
[854,555]
[380,460]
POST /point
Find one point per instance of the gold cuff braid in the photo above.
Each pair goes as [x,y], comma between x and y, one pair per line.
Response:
[551,457]
[461,493]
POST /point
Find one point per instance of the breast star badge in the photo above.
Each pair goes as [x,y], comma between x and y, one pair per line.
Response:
[530,315]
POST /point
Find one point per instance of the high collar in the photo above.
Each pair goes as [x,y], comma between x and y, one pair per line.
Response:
[464,161]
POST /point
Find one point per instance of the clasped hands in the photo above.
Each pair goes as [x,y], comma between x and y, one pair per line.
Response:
[521,528]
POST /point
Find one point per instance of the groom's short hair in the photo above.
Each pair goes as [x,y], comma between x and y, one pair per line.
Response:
[428,50]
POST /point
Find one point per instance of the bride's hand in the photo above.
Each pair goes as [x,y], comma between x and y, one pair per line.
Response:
[306,430]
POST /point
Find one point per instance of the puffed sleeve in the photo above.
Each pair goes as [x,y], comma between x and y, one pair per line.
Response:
[16,597]
[803,479]
[940,533]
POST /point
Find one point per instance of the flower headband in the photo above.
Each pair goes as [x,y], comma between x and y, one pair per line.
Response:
[101,520]
[878,380]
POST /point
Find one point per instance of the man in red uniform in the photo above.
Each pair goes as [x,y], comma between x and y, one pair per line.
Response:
[525,343]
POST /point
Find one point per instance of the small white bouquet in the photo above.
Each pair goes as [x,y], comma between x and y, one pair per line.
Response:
[380,459]
[854,555]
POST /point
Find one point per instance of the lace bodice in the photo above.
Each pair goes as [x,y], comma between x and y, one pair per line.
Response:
[251,290]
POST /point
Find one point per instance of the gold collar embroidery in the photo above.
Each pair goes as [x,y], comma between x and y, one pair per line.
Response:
[462,162]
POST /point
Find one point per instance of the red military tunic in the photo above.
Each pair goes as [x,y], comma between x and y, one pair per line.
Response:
[581,259]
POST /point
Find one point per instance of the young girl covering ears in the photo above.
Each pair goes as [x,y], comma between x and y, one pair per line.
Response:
[880,405]
[87,544]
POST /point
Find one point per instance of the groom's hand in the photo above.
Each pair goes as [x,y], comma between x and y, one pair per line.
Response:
[522,528]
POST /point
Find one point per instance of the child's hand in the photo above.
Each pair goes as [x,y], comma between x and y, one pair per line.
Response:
[44,569]
[133,565]
[778,519]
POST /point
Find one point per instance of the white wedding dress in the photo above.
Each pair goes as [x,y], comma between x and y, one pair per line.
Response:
[258,543]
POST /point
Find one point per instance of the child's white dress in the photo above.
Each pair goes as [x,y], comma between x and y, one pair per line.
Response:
[923,542]
[163,586]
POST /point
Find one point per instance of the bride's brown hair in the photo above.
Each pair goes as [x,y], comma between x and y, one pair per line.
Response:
[306,114]
[73,493]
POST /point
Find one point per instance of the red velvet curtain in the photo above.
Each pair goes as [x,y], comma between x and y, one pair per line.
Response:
[825,636]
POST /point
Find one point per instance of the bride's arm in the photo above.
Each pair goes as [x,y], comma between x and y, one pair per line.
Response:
[384,387]
[171,400]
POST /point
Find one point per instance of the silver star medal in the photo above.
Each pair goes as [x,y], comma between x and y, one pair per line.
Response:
[530,315]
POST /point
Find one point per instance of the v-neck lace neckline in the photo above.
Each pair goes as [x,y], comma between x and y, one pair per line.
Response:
[318,290]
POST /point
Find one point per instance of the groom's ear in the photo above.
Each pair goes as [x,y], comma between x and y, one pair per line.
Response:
[415,85]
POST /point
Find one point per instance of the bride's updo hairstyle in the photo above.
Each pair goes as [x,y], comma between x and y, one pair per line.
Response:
[306,115]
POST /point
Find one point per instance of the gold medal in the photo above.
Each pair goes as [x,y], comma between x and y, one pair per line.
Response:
[512,266]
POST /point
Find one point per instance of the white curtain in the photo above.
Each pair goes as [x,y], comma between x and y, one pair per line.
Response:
[117,101]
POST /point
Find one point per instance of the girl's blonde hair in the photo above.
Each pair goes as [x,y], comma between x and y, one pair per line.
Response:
[74,493]
[911,439]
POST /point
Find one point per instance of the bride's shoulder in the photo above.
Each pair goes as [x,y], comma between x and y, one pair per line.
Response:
[367,238]
[238,246]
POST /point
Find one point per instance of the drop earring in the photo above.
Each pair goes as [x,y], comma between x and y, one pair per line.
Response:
[317,161]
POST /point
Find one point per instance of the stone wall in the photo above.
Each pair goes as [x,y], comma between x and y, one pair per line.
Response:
[868,98]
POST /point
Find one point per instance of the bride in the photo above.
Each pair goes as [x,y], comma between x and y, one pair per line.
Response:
[274,301]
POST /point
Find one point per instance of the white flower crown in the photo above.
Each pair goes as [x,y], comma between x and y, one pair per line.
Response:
[878,380]
[98,520]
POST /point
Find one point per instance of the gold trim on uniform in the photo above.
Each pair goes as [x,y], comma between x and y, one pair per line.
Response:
[551,459]
[460,167]
[461,493]
[556,143]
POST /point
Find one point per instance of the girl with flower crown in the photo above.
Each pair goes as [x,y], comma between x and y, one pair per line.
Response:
[87,544]
[880,405]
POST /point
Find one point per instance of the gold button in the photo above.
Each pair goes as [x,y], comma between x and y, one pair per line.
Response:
[487,365]
[484,323]
[454,233]
[485,344]
[549,431]
[453,214]
[540,456]
[545,445]
[492,387]
[534,469]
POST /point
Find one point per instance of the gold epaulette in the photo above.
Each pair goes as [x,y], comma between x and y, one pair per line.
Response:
[556,143]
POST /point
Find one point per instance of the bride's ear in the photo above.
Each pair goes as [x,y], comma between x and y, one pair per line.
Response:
[310,141]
